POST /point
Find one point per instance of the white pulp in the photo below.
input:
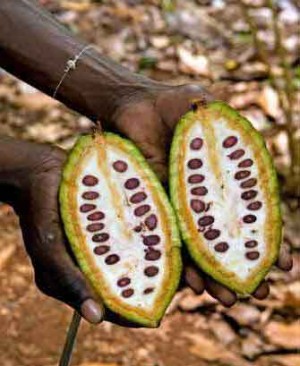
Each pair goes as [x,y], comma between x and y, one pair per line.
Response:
[123,240]
[227,207]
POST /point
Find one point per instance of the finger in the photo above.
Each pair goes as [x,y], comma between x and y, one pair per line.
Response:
[219,292]
[151,136]
[74,290]
[92,311]
[262,291]
[285,259]
[55,272]
[173,104]
[64,281]
[194,280]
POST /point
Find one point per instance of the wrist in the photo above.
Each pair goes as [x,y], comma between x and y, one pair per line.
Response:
[112,99]
[98,87]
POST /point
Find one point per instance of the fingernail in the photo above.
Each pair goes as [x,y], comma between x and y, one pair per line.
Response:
[92,311]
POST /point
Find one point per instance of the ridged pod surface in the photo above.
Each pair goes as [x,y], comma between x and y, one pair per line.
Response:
[225,194]
[121,227]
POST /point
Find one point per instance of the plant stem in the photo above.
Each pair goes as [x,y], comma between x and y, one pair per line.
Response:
[286,97]
[288,89]
[70,340]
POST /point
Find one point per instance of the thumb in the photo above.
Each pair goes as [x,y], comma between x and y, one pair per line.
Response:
[63,281]
[177,101]
[142,124]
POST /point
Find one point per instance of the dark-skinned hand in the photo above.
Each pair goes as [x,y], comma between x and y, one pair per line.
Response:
[150,124]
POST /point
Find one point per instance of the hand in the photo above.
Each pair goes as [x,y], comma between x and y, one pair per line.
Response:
[55,272]
[149,122]
[36,182]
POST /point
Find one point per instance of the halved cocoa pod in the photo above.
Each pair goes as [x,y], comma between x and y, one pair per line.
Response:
[236,207]
[107,192]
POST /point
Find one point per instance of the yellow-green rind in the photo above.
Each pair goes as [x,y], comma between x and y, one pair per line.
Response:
[82,143]
[246,287]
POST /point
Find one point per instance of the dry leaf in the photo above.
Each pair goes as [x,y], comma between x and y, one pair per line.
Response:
[5,254]
[6,91]
[222,331]
[191,302]
[49,133]
[244,100]
[208,349]
[35,101]
[252,345]
[167,65]
[244,314]
[160,41]
[289,295]
[175,302]
[193,64]
[75,5]
[284,360]
[98,364]
[269,101]
[284,335]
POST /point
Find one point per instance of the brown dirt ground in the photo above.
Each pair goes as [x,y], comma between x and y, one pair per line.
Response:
[33,326]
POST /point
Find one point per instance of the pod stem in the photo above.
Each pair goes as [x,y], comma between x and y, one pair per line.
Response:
[70,340]
[198,103]
[97,129]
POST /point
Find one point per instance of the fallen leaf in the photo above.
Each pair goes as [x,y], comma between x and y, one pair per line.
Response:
[244,100]
[49,133]
[210,350]
[5,254]
[256,117]
[175,302]
[222,331]
[193,64]
[289,294]
[284,360]
[35,101]
[254,69]
[244,314]
[191,302]
[98,364]
[160,41]
[5,92]
[283,335]
[279,144]
[292,227]
[252,345]
[269,101]
[75,6]
[27,349]
[167,65]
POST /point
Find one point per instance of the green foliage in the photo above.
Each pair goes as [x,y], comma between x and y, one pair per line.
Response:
[147,62]
[168,5]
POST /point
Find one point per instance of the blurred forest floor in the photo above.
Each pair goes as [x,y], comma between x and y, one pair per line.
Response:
[246,55]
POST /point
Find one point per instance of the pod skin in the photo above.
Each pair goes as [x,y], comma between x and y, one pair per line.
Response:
[224,190]
[121,227]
